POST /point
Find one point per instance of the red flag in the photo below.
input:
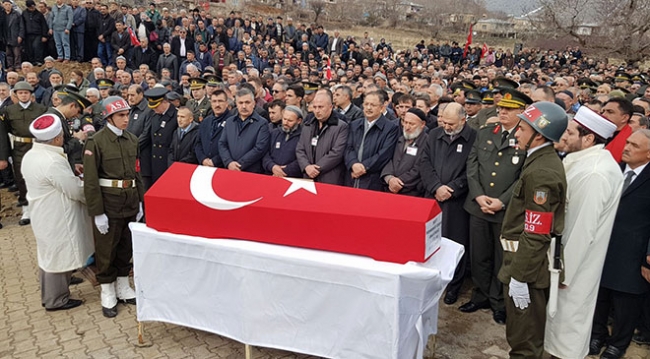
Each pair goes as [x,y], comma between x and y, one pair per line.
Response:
[134,39]
[484,50]
[328,70]
[469,40]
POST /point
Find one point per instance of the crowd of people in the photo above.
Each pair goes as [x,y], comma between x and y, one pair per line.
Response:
[526,153]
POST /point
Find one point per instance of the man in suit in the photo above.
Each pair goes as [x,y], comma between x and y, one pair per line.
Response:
[120,41]
[335,44]
[343,101]
[138,104]
[181,44]
[622,286]
[493,167]
[322,142]
[207,142]
[402,173]
[184,138]
[444,177]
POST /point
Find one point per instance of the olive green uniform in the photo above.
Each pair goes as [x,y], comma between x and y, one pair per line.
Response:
[200,110]
[16,121]
[71,146]
[484,114]
[108,156]
[493,167]
[534,215]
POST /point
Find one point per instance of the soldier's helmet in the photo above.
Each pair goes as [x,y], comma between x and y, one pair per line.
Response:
[114,104]
[547,118]
[23,85]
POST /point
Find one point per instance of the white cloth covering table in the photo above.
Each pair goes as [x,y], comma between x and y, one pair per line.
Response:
[308,301]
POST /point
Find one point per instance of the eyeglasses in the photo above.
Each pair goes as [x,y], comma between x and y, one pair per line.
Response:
[276,91]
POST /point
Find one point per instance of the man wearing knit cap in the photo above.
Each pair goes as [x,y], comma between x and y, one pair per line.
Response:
[594,183]
[114,193]
[62,228]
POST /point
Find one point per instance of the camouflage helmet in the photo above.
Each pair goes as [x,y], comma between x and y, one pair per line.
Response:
[23,85]
[547,119]
[114,104]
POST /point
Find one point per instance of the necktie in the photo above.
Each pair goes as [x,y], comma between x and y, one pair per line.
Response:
[180,134]
[628,179]
[366,128]
[504,137]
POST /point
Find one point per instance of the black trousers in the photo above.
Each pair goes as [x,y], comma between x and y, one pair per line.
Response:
[34,49]
[644,325]
[626,308]
[486,258]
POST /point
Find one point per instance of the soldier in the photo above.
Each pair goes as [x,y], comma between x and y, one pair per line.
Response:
[493,167]
[105,86]
[200,103]
[212,85]
[16,119]
[473,105]
[114,194]
[498,85]
[534,215]
[160,124]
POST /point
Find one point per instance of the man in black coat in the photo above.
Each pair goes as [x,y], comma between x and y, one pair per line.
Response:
[120,41]
[444,176]
[622,286]
[181,44]
[14,35]
[104,33]
[280,160]
[343,101]
[144,54]
[207,142]
[35,32]
[184,138]
[91,31]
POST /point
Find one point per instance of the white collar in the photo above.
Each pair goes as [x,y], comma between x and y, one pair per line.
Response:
[532,150]
[25,105]
[114,129]
[637,171]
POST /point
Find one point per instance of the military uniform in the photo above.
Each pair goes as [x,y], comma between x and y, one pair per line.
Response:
[112,186]
[200,108]
[534,215]
[16,121]
[484,114]
[72,146]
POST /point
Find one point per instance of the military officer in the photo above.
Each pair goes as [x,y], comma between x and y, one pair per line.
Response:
[472,107]
[535,214]
[200,103]
[16,119]
[497,86]
[105,86]
[114,194]
[212,85]
[493,167]
[154,142]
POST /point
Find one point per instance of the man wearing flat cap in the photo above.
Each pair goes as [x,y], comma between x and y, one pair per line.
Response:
[594,182]
[61,226]
[200,103]
[16,119]
[160,124]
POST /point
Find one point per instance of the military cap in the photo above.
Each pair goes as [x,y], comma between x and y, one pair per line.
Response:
[197,83]
[213,80]
[105,83]
[165,83]
[23,85]
[68,87]
[501,82]
[488,99]
[514,99]
[639,78]
[172,96]
[462,85]
[82,101]
[586,83]
[621,76]
[473,96]
[208,70]
[309,87]
[155,96]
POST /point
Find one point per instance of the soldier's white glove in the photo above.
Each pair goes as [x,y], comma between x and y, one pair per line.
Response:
[140,214]
[519,293]
[101,222]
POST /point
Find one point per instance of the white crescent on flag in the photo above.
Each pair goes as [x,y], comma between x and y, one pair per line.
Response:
[202,191]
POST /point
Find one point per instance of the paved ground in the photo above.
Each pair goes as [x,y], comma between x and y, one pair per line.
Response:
[28,331]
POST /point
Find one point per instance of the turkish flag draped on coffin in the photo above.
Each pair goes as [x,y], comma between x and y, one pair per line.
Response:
[218,203]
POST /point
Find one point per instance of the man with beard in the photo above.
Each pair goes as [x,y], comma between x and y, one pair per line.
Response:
[402,173]
[444,177]
[207,141]
[280,160]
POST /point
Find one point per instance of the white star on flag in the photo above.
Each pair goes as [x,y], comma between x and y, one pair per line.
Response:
[297,183]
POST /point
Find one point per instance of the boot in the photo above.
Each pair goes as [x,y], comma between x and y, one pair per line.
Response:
[109,300]
[24,219]
[125,293]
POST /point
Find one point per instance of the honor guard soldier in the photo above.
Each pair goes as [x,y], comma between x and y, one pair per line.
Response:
[16,119]
[535,215]
[114,194]
[493,167]
[160,124]
[200,103]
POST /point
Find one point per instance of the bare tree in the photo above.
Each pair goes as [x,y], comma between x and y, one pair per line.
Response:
[318,7]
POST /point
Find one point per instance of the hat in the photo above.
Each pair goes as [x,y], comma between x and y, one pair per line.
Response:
[621,76]
[197,83]
[23,85]
[295,110]
[459,86]
[213,80]
[487,98]
[64,88]
[639,78]
[105,83]
[172,96]
[49,58]
[309,87]
[122,58]
[472,97]
[80,100]
[55,71]
[594,122]
[114,104]
[29,3]
[514,99]
[419,113]
[155,96]
[208,69]
[502,82]
[586,83]
[46,127]
[381,76]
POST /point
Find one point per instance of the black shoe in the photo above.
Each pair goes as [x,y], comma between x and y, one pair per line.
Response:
[451,297]
[72,303]
[24,222]
[612,352]
[595,346]
[126,301]
[13,188]
[6,184]
[499,316]
[76,280]
[21,203]
[110,312]
[639,338]
[471,307]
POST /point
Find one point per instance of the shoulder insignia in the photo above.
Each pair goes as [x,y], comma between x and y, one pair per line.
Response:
[540,196]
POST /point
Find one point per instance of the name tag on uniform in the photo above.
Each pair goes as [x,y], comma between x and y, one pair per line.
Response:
[277,145]
[511,142]
[223,124]
[459,148]
[314,141]
[135,117]
[162,124]
[411,151]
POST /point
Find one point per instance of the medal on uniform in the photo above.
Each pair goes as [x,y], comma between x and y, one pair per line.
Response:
[515,160]
[459,148]
[511,142]
[162,124]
